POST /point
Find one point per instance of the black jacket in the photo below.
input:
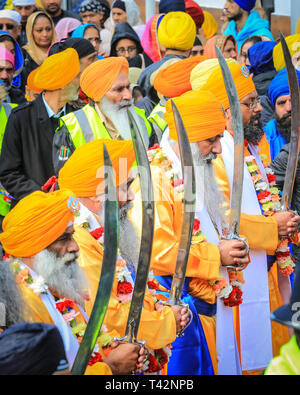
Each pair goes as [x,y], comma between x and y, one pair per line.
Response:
[26,157]
[124,30]
[279,166]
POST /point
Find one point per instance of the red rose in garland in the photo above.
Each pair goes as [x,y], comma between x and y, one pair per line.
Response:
[97,233]
[124,288]
[235,297]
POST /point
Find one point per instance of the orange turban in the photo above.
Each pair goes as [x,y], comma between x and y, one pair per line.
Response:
[57,71]
[30,83]
[83,173]
[174,80]
[98,77]
[35,222]
[201,113]
[243,82]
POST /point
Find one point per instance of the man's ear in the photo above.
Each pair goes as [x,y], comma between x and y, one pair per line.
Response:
[227,114]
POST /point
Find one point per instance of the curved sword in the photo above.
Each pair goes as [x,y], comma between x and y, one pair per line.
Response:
[144,260]
[107,272]
[189,204]
[238,133]
[287,192]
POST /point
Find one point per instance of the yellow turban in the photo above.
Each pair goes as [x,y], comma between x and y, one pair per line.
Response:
[177,30]
[83,173]
[210,25]
[97,79]
[293,43]
[174,80]
[57,71]
[201,113]
[201,73]
[36,222]
[243,82]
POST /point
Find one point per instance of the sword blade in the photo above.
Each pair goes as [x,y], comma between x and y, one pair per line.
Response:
[292,163]
[107,272]
[144,260]
[238,133]
[188,212]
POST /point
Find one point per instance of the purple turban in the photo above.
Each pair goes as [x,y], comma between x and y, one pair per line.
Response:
[246,5]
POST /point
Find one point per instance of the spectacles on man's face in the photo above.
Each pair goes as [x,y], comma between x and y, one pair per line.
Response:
[122,51]
[7,26]
[253,104]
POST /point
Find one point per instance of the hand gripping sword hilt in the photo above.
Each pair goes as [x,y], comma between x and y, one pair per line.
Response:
[171,303]
[234,236]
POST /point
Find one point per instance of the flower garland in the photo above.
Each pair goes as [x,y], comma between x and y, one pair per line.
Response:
[269,200]
[104,341]
[157,359]
[23,276]
[231,294]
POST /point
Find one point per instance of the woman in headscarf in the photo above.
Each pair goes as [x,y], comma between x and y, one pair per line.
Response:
[126,11]
[65,27]
[125,42]
[226,44]
[89,32]
[150,42]
[8,42]
[41,35]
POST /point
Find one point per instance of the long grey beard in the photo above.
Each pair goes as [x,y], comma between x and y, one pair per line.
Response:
[10,298]
[63,275]
[129,241]
[117,114]
[207,189]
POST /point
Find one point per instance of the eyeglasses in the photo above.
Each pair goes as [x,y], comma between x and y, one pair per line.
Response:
[122,50]
[9,26]
[253,104]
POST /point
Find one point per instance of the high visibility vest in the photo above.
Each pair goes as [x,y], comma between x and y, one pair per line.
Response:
[84,125]
[5,111]
[158,116]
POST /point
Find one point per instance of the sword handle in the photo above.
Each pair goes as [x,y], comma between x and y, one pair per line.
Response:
[172,302]
[234,236]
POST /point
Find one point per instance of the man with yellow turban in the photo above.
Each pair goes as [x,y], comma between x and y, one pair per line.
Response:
[196,352]
[177,33]
[38,233]
[82,175]
[106,83]
[26,157]
[260,223]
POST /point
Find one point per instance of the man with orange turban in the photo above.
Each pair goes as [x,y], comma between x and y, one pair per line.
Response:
[83,176]
[196,352]
[26,157]
[171,81]
[106,83]
[38,233]
[260,223]
[177,33]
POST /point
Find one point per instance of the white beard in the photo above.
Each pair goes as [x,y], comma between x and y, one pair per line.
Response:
[117,114]
[63,275]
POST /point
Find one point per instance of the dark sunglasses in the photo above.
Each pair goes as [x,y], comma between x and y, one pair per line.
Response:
[9,26]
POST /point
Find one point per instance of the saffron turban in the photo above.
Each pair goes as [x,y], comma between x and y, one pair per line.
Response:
[195,11]
[201,73]
[174,80]
[83,174]
[246,5]
[57,71]
[97,79]
[177,30]
[201,113]
[210,25]
[243,82]
[30,82]
[36,222]
[279,85]
[293,43]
